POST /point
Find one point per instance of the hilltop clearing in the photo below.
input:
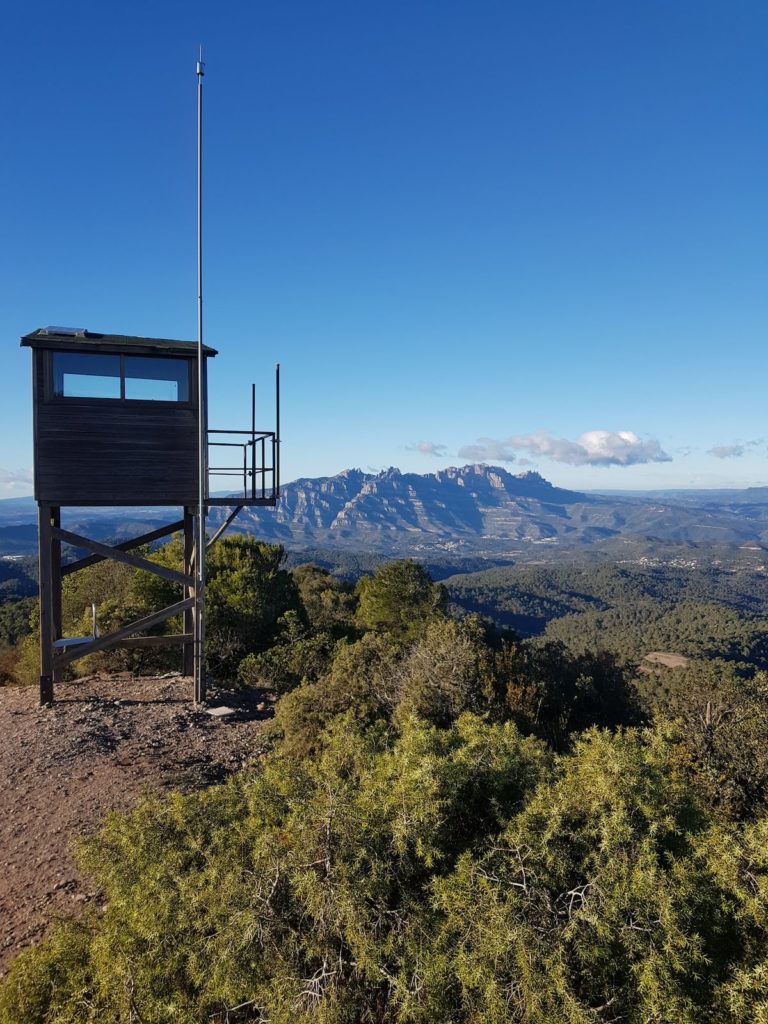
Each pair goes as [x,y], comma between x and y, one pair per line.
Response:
[437,803]
[105,741]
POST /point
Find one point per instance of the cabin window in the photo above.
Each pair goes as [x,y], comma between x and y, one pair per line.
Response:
[133,378]
[156,380]
[83,375]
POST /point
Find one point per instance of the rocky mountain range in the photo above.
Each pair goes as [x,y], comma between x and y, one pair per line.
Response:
[473,509]
[479,508]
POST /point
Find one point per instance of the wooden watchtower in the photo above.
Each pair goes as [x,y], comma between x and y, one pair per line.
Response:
[116,424]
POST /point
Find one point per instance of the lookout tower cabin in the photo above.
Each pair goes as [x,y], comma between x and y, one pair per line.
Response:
[116,423]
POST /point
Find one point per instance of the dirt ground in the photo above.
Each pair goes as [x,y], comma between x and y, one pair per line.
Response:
[665,658]
[105,739]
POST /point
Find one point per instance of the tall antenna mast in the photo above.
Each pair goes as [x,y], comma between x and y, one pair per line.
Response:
[202,416]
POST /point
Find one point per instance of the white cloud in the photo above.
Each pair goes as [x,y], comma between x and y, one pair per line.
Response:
[727,451]
[732,451]
[427,448]
[593,448]
[487,450]
[14,480]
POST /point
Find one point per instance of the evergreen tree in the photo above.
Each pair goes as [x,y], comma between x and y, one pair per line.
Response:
[400,598]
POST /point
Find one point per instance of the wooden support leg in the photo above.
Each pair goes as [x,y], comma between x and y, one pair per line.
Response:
[45,546]
[56,587]
[188,655]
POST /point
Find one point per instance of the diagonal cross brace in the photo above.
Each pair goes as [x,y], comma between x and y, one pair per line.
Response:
[122,556]
[127,545]
[102,642]
[225,525]
[166,640]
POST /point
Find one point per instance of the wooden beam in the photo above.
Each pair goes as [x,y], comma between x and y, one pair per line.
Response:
[56,619]
[45,543]
[128,545]
[230,518]
[157,641]
[113,639]
[121,556]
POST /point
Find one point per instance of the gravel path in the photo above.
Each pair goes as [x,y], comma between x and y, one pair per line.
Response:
[102,743]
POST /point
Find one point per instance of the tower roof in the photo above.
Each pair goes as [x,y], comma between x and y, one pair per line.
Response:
[76,340]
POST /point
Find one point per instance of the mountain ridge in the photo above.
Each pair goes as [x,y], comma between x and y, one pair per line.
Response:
[475,508]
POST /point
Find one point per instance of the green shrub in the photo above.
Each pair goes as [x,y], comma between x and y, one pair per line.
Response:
[362,681]
[299,895]
[450,874]
[447,671]
[247,592]
[399,599]
[611,896]
[721,715]
[298,656]
[53,982]
[554,693]
[329,604]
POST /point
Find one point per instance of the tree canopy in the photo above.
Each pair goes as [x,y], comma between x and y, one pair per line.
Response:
[399,598]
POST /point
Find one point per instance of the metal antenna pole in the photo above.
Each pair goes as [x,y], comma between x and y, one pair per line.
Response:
[201,413]
[276,481]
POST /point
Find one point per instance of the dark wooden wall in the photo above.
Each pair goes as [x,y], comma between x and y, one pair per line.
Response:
[100,452]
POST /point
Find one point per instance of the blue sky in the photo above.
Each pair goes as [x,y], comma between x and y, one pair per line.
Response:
[524,232]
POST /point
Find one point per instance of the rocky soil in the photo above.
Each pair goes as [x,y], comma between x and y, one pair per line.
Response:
[103,742]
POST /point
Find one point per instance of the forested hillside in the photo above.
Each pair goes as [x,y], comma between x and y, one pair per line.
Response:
[700,611]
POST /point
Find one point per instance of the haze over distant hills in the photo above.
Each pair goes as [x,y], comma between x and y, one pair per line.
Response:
[464,511]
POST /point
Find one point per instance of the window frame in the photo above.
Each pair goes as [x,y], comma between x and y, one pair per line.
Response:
[51,397]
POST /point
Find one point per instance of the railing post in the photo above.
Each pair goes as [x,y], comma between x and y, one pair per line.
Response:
[257,464]
[253,441]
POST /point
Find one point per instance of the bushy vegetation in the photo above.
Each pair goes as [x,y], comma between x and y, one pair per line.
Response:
[453,825]
[248,593]
[721,714]
[18,577]
[420,875]
[398,599]
[15,618]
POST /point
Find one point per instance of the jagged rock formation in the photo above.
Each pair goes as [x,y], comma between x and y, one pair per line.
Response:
[469,509]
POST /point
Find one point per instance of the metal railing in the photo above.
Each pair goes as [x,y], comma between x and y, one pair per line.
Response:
[250,457]
[257,457]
